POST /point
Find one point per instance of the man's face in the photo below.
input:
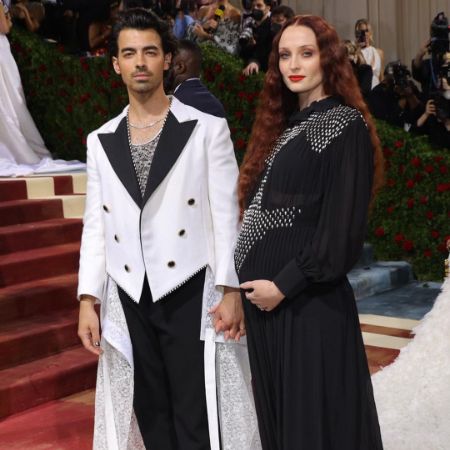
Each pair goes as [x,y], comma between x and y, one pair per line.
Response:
[140,60]
[259,4]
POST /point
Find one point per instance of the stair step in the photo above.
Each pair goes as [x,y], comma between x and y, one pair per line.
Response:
[26,340]
[379,277]
[11,189]
[28,265]
[38,297]
[367,257]
[25,211]
[50,378]
[32,235]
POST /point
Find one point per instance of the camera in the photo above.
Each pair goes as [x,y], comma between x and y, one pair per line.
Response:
[442,105]
[439,40]
[399,73]
[360,36]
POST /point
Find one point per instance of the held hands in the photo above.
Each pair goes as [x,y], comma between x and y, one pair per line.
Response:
[229,315]
[264,294]
[88,325]
[250,69]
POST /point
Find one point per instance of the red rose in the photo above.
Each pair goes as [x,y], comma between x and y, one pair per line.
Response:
[442,187]
[80,131]
[410,184]
[238,115]
[221,86]
[429,215]
[435,234]
[399,237]
[241,78]
[443,169]
[85,97]
[401,169]
[217,68]
[390,182]
[429,168]
[42,68]
[390,209]
[408,245]
[240,144]
[418,177]
[379,232]
[416,162]
[83,140]
[115,84]
[242,94]
[399,144]
[69,108]
[209,76]
[438,158]
[105,74]
[387,152]
[427,253]
[410,202]
[424,199]
[442,247]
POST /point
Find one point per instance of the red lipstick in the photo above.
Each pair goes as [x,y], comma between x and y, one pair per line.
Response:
[296,78]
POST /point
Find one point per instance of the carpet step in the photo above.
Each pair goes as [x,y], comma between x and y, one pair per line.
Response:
[50,378]
[28,265]
[32,235]
[379,277]
[12,190]
[367,256]
[26,340]
[38,297]
[26,211]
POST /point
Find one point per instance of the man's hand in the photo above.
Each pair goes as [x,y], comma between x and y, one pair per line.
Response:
[250,69]
[264,294]
[229,315]
[88,325]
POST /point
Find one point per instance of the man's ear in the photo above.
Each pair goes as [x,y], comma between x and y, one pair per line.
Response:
[115,63]
[167,61]
[180,67]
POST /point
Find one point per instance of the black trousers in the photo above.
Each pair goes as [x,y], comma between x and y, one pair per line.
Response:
[169,383]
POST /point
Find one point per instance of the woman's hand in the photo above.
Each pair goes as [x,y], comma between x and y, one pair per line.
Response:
[264,294]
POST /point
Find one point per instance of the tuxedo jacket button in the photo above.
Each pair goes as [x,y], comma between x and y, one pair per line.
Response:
[105,208]
[116,238]
[181,232]
[191,201]
[127,268]
[171,264]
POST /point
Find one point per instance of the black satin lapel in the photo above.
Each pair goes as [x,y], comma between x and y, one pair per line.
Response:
[170,145]
[117,150]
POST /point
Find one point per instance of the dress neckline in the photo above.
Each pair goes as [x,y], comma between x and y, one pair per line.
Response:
[317,106]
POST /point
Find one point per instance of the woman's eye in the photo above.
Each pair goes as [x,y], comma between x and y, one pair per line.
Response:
[284,55]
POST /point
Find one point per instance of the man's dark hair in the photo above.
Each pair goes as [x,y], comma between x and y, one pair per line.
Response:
[193,49]
[142,19]
[283,10]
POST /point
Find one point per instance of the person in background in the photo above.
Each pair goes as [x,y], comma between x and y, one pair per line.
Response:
[373,56]
[31,14]
[396,99]
[312,166]
[361,69]
[217,22]
[259,55]
[186,13]
[185,80]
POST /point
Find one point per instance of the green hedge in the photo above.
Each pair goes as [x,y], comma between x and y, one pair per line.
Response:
[69,97]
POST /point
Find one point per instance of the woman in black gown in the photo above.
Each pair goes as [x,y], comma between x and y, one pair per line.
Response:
[312,166]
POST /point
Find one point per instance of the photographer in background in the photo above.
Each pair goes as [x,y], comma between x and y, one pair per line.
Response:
[373,56]
[255,39]
[361,69]
[258,58]
[426,64]
[396,99]
[435,121]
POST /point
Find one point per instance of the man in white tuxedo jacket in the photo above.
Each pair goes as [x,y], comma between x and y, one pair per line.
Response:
[160,226]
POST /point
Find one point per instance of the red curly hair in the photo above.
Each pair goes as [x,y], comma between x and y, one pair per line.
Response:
[277,102]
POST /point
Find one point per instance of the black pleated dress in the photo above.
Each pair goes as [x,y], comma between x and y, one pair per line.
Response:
[304,229]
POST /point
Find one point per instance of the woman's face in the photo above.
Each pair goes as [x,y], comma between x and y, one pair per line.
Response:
[299,63]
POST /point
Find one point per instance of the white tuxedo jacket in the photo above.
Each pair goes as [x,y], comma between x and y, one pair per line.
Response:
[187,219]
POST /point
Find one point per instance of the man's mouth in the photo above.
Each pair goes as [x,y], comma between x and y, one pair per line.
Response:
[296,78]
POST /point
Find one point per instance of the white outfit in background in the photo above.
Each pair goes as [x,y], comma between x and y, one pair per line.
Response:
[22,150]
[373,58]
[413,393]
